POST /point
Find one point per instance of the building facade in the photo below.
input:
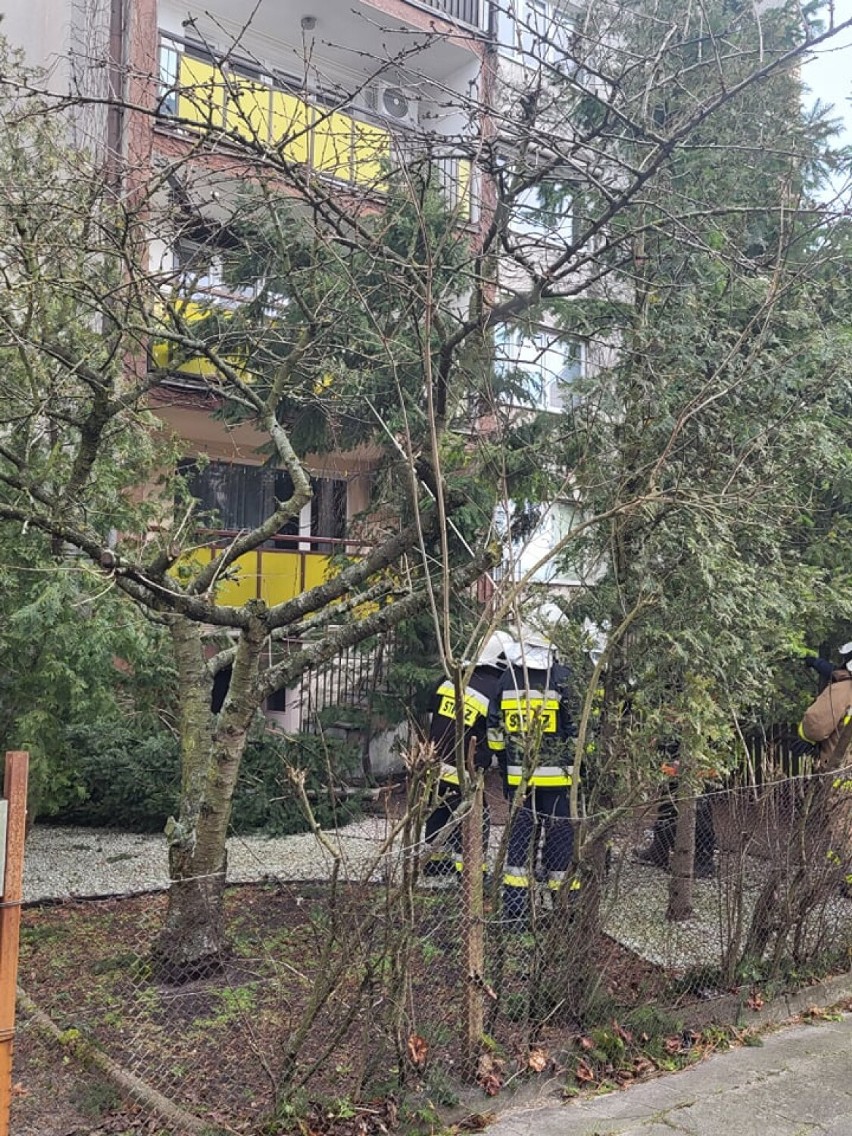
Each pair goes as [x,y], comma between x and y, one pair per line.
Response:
[338,93]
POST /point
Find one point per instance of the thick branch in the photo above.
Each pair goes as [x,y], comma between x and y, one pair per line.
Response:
[387,553]
[356,631]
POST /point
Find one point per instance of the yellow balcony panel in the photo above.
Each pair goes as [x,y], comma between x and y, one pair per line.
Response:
[201,92]
[248,110]
[274,576]
[280,576]
[190,563]
[463,187]
[290,126]
[370,150]
[316,569]
[170,356]
[241,583]
[332,143]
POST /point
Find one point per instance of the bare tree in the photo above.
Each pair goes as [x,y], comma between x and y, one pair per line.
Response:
[347,311]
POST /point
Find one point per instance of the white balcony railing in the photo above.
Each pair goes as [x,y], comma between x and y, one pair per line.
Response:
[473,13]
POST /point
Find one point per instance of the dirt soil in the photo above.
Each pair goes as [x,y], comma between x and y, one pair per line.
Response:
[218,1047]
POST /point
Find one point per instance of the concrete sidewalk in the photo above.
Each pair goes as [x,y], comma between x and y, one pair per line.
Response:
[798,1083]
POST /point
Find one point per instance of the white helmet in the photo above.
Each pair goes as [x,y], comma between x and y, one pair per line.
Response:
[495,650]
[534,650]
[595,640]
[845,653]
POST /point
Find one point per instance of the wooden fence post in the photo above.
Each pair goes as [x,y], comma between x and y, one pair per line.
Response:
[472,899]
[15,794]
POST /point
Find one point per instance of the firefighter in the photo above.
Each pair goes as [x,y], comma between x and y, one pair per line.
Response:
[821,727]
[531,731]
[825,717]
[828,670]
[446,861]
[658,852]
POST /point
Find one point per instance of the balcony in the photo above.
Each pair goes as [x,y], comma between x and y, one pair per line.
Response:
[274,575]
[236,102]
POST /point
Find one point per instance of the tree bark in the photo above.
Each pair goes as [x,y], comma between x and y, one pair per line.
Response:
[683,855]
[192,942]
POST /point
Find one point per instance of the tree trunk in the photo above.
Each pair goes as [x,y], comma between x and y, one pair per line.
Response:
[192,942]
[683,855]
[578,926]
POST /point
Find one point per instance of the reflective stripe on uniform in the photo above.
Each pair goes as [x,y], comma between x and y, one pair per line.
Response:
[805,737]
[449,773]
[558,879]
[496,741]
[521,713]
[475,704]
[459,866]
[543,776]
[515,880]
[844,721]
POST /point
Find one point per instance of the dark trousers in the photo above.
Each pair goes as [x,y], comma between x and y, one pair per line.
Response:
[543,811]
[665,826]
[450,852]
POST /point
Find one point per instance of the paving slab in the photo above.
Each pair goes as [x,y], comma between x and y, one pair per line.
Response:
[798,1083]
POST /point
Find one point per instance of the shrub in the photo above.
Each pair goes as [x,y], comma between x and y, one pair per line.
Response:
[266,799]
[128,777]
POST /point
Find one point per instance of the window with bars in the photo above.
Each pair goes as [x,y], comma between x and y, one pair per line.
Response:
[234,498]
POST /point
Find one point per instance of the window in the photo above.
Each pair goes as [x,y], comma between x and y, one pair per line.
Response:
[537,365]
[545,213]
[169,64]
[235,498]
[328,512]
[199,266]
[546,35]
[531,538]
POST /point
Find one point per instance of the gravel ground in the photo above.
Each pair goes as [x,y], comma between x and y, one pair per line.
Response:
[79,863]
[67,863]
[62,863]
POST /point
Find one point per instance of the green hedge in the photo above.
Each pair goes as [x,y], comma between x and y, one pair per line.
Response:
[130,780]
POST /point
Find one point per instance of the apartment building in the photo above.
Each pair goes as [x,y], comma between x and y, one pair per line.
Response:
[340,91]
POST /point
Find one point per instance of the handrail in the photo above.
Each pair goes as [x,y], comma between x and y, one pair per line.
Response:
[261,71]
[471,13]
[342,544]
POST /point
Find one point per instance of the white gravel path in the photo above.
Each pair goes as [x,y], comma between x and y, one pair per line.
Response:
[62,863]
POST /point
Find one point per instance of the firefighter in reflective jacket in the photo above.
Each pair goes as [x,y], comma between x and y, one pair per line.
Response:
[481,687]
[821,727]
[531,731]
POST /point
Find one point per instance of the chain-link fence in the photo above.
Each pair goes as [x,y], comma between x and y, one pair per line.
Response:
[387,970]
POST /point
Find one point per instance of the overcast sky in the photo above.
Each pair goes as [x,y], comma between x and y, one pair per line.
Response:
[829,75]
